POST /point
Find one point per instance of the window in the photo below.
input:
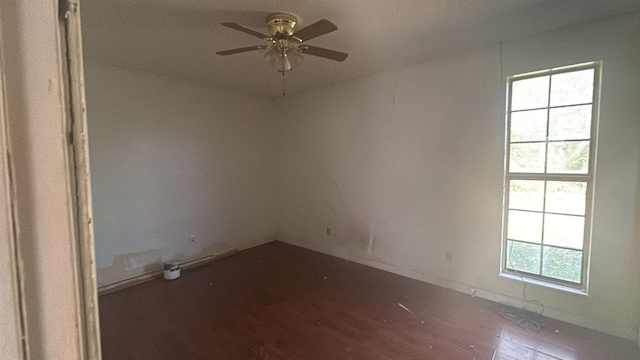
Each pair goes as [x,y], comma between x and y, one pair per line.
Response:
[550,153]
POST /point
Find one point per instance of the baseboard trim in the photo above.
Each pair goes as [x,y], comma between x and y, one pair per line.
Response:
[186,265]
[561,315]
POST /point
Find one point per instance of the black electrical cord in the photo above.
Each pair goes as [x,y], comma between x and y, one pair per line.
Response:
[521,317]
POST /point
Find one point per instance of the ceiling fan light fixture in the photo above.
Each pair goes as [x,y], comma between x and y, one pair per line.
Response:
[287,45]
[281,23]
[283,59]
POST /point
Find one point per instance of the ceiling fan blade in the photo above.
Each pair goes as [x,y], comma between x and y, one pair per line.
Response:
[322,52]
[316,29]
[245,30]
[241,50]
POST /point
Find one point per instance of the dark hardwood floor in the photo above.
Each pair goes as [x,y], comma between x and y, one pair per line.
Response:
[278,301]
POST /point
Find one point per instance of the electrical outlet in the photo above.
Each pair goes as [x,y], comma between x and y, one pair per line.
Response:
[192,239]
[328,231]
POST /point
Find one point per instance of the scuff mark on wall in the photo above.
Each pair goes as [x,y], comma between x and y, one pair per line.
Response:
[371,233]
[141,259]
[130,265]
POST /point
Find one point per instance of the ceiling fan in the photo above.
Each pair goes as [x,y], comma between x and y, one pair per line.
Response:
[284,50]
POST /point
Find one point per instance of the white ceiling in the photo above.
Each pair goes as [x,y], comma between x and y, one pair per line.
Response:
[179,38]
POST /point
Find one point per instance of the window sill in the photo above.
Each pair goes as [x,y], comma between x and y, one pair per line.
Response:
[521,278]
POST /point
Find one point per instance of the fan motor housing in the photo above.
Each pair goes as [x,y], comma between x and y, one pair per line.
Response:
[281,23]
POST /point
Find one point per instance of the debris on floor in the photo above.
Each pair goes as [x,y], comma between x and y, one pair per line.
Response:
[406,308]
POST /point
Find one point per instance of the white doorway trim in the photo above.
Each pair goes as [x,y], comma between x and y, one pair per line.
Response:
[11,328]
[45,185]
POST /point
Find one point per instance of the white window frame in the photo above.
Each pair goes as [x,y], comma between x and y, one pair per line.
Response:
[540,279]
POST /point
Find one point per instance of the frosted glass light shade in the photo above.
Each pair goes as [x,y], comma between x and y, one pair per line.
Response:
[283,59]
[294,56]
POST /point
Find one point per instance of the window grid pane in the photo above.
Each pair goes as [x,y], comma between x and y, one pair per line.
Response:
[562,264]
[548,174]
[570,123]
[566,197]
[523,257]
[527,157]
[526,195]
[564,231]
[568,157]
[525,226]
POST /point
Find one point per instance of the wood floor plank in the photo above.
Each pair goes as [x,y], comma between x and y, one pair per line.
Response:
[497,355]
[280,302]
[531,341]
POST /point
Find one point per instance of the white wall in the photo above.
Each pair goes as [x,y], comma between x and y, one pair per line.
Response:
[405,166]
[170,159]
